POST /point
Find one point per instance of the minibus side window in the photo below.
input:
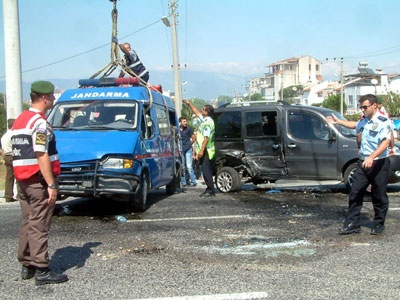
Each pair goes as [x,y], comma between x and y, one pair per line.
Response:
[147,126]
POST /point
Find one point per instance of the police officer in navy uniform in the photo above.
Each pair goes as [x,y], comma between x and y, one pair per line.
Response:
[133,61]
[373,168]
[36,166]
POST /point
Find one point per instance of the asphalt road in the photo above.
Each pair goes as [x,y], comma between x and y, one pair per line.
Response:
[256,244]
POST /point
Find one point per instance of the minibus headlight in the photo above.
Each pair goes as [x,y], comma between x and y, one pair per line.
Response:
[118,163]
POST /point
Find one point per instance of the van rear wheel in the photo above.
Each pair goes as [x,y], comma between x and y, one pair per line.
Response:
[228,180]
[138,202]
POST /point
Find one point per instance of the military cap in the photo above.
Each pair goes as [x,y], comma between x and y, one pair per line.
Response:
[42,87]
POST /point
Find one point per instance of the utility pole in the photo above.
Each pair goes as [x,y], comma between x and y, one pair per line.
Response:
[13,99]
[176,66]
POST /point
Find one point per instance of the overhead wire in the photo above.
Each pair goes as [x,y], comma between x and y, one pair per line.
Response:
[385,51]
[87,51]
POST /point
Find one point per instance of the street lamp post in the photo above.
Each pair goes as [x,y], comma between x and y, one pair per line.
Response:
[374,81]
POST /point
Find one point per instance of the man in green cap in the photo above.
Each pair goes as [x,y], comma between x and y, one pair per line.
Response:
[36,166]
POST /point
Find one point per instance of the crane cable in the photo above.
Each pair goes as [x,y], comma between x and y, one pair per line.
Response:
[115,58]
[112,65]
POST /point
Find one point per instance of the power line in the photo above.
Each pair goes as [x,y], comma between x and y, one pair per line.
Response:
[389,50]
[85,52]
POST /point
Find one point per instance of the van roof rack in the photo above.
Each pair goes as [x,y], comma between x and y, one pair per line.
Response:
[256,102]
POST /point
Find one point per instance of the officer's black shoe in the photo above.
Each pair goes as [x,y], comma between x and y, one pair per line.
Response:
[377,229]
[350,228]
[27,272]
[47,276]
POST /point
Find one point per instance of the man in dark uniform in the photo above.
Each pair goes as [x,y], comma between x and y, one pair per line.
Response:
[36,166]
[373,168]
[133,62]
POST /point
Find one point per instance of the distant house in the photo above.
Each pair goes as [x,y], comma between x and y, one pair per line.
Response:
[366,81]
[294,71]
[317,93]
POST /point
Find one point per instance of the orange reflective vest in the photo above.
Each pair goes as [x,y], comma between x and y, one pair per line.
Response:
[25,163]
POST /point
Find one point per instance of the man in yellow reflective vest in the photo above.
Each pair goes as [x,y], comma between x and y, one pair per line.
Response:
[205,148]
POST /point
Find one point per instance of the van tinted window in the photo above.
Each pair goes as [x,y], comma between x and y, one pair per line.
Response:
[261,123]
[308,126]
[228,125]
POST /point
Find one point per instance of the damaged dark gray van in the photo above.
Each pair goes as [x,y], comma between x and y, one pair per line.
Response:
[259,143]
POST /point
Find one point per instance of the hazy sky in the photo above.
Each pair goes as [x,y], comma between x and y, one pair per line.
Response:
[227,36]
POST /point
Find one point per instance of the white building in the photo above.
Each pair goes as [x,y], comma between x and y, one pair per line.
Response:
[366,81]
[294,71]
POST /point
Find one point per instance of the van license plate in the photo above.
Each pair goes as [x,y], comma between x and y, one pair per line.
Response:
[87,183]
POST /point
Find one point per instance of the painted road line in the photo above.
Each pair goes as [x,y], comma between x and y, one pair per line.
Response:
[238,296]
[194,218]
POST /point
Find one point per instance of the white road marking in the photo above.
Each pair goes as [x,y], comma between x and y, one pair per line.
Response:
[194,218]
[238,296]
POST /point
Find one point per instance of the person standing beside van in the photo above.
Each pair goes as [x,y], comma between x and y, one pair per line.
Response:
[187,152]
[7,156]
[36,166]
[373,167]
[205,148]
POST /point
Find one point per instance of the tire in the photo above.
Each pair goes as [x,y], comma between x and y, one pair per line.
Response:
[228,180]
[138,202]
[171,187]
[348,176]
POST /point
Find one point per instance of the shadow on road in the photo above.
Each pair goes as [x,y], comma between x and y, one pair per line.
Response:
[102,207]
[72,256]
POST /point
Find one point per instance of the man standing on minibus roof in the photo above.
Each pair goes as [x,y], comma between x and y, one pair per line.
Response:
[133,62]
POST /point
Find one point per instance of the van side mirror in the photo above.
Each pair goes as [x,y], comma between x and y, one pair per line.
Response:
[332,136]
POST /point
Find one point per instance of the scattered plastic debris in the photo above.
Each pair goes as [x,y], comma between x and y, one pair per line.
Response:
[273,191]
[122,219]
[65,210]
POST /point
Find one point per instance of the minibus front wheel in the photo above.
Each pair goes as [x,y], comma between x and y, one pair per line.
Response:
[138,202]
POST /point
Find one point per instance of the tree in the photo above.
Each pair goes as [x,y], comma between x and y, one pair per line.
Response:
[3,115]
[256,97]
[290,93]
[391,102]
[221,100]
[3,119]
[333,102]
[187,112]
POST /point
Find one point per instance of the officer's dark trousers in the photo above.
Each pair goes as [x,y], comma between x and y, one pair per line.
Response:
[206,166]
[36,218]
[377,176]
